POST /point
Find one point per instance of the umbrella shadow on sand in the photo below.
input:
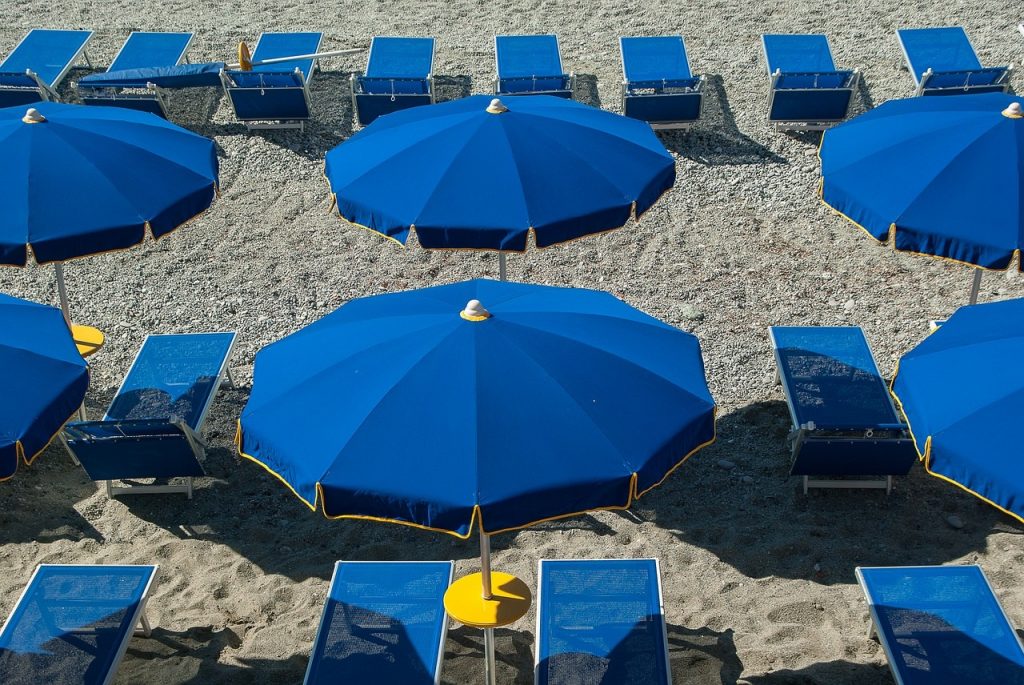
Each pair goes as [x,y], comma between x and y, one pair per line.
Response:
[716,140]
[737,500]
[35,504]
[825,672]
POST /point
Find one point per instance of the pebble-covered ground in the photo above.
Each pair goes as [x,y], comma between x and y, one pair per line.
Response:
[758,578]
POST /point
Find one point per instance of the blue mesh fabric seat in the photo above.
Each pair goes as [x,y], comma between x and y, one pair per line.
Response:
[384,621]
[600,621]
[398,76]
[142,50]
[38,64]
[275,95]
[530,65]
[844,421]
[942,61]
[152,427]
[942,625]
[658,86]
[806,91]
[72,624]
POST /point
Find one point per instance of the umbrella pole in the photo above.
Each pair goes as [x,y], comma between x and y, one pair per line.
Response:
[975,286]
[62,291]
[485,576]
[502,269]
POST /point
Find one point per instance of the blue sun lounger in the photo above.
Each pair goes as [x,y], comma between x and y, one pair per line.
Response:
[152,426]
[72,624]
[274,95]
[807,92]
[38,64]
[658,86]
[941,625]
[530,65]
[942,61]
[398,76]
[142,50]
[384,622]
[600,621]
[844,421]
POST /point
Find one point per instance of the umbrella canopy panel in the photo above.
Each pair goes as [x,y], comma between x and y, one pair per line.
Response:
[43,380]
[466,174]
[399,407]
[83,180]
[940,175]
[962,390]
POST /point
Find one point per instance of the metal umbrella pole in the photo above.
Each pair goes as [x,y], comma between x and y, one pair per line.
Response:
[485,579]
[62,291]
[502,267]
[975,286]
[277,60]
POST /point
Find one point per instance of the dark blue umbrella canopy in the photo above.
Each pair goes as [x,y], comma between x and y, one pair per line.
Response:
[467,175]
[962,390]
[940,176]
[43,379]
[410,408]
[79,180]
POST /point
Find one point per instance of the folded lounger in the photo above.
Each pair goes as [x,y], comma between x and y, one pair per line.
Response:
[844,421]
[38,64]
[941,625]
[152,427]
[942,61]
[274,95]
[530,65]
[600,621]
[806,92]
[658,86]
[142,50]
[384,622]
[398,76]
[72,624]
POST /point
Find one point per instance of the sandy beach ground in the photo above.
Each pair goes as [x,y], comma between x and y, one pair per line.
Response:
[758,578]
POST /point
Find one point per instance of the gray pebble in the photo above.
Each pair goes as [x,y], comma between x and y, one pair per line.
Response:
[954,521]
[691,313]
[725,464]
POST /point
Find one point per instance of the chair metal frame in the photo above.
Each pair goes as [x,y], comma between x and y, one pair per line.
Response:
[811,124]
[921,86]
[48,91]
[354,79]
[698,91]
[570,76]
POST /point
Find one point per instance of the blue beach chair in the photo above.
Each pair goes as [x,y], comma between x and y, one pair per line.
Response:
[142,50]
[72,624]
[399,75]
[38,64]
[152,427]
[844,421]
[941,625]
[658,86]
[384,622]
[600,621]
[942,61]
[530,65]
[806,92]
[274,95]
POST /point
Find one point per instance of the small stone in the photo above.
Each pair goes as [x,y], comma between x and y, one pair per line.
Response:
[954,521]
[691,313]
[849,305]
[725,464]
[817,568]
[747,480]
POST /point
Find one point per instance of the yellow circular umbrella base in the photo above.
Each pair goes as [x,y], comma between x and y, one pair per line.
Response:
[88,339]
[510,600]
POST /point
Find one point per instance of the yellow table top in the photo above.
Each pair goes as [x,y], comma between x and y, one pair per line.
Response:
[509,602]
[89,340]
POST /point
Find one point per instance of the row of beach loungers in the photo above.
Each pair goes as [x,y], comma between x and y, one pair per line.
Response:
[845,430]
[806,89]
[597,621]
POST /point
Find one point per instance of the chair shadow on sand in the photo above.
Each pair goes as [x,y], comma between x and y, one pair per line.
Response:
[754,517]
[716,140]
[586,90]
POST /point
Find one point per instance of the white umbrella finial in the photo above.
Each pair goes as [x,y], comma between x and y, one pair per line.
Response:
[496,107]
[33,116]
[474,311]
[1013,111]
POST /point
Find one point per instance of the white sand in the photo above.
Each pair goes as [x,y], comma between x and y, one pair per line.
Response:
[740,244]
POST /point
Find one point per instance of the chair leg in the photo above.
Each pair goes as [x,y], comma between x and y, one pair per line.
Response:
[147,629]
[189,486]
[806,480]
[230,378]
[110,489]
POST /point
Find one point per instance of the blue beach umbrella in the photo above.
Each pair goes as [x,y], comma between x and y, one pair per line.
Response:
[939,176]
[478,174]
[43,380]
[547,402]
[77,181]
[962,390]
